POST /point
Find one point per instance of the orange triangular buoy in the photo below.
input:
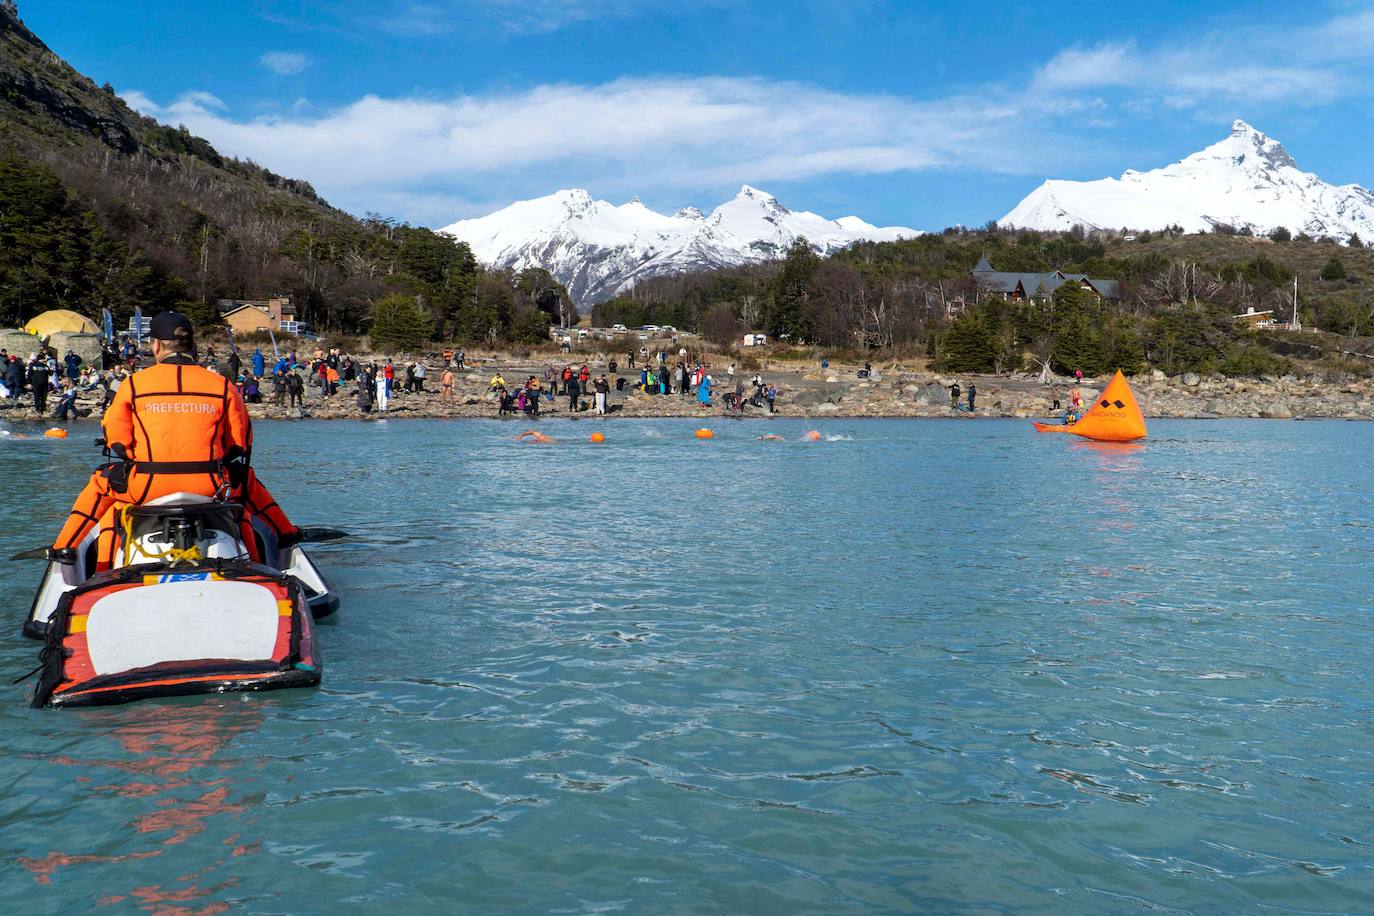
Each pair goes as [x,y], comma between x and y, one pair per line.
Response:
[1116,416]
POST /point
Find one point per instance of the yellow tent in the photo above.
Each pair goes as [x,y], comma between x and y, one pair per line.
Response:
[61,320]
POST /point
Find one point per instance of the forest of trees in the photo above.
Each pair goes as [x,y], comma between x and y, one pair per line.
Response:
[58,251]
[1181,293]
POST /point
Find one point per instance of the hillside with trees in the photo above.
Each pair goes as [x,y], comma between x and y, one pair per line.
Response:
[103,207]
[1180,295]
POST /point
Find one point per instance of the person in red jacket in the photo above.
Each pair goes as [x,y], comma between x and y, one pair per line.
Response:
[174,427]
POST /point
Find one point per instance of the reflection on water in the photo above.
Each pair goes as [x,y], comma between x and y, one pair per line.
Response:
[167,759]
[936,666]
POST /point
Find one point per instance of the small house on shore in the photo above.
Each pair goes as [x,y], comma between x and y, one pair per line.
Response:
[1254,319]
[248,315]
[1027,286]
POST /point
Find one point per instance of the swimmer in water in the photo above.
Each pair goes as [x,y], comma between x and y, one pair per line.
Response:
[535,437]
[770,438]
[813,436]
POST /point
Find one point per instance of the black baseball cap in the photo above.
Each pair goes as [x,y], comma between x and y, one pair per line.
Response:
[171,326]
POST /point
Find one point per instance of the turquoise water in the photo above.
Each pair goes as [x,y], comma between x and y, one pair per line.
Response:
[928,665]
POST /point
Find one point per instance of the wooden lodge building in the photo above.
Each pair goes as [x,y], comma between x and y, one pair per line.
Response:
[1024,286]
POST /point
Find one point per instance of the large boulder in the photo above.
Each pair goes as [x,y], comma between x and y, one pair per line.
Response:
[812,397]
[86,346]
[20,342]
[932,395]
[1191,380]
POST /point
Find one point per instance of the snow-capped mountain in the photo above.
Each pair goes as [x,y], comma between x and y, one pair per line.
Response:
[597,249]
[1246,180]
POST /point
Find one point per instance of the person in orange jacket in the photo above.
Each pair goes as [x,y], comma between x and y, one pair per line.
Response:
[174,427]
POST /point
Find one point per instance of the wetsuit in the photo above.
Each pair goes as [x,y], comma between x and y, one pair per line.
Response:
[181,427]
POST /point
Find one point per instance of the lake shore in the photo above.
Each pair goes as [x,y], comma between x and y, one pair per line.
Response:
[894,392]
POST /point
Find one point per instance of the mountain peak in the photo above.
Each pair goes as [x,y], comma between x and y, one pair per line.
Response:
[1245,141]
[1246,181]
[599,250]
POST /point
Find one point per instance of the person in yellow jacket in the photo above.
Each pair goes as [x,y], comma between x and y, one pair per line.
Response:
[174,427]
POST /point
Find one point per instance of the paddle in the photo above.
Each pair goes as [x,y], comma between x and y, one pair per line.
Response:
[314,534]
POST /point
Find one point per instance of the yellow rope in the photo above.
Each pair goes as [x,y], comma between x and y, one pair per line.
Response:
[172,555]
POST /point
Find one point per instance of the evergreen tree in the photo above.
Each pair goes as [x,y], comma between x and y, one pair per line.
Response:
[787,310]
[399,323]
[968,346]
[531,326]
[1079,340]
[1333,269]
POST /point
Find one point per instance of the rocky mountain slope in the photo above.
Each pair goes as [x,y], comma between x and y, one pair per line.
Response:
[597,249]
[1246,181]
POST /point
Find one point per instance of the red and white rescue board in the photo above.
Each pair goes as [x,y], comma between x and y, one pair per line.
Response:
[130,634]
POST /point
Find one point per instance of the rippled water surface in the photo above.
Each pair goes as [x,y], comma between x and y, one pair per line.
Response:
[922,665]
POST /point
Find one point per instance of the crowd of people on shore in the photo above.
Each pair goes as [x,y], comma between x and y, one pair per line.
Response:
[60,382]
[285,378]
[655,375]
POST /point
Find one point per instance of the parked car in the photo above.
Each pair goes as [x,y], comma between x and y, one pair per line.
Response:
[619,328]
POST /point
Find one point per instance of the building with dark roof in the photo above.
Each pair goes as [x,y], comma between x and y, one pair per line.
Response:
[1013,285]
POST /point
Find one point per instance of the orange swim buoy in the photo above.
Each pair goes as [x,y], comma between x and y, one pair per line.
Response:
[1116,417]
[56,433]
[813,436]
[704,433]
[598,437]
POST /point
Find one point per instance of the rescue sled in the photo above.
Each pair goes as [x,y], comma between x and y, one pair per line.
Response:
[183,611]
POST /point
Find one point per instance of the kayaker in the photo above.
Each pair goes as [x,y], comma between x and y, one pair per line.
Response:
[174,427]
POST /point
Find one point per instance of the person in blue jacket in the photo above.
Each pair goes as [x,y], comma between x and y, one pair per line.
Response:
[704,390]
[259,363]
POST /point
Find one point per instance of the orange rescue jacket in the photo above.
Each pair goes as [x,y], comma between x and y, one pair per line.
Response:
[176,421]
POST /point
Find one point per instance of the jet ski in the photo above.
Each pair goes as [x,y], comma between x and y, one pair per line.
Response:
[183,610]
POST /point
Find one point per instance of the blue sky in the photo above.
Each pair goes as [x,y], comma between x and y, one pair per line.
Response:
[904,113]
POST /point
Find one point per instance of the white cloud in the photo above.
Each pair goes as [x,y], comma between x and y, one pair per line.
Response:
[1252,64]
[285,63]
[670,134]
[419,19]
[677,132]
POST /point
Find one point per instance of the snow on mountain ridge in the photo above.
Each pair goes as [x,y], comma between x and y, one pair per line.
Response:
[598,249]
[1246,180]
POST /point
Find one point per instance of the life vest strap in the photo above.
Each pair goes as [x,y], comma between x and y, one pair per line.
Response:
[179,467]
